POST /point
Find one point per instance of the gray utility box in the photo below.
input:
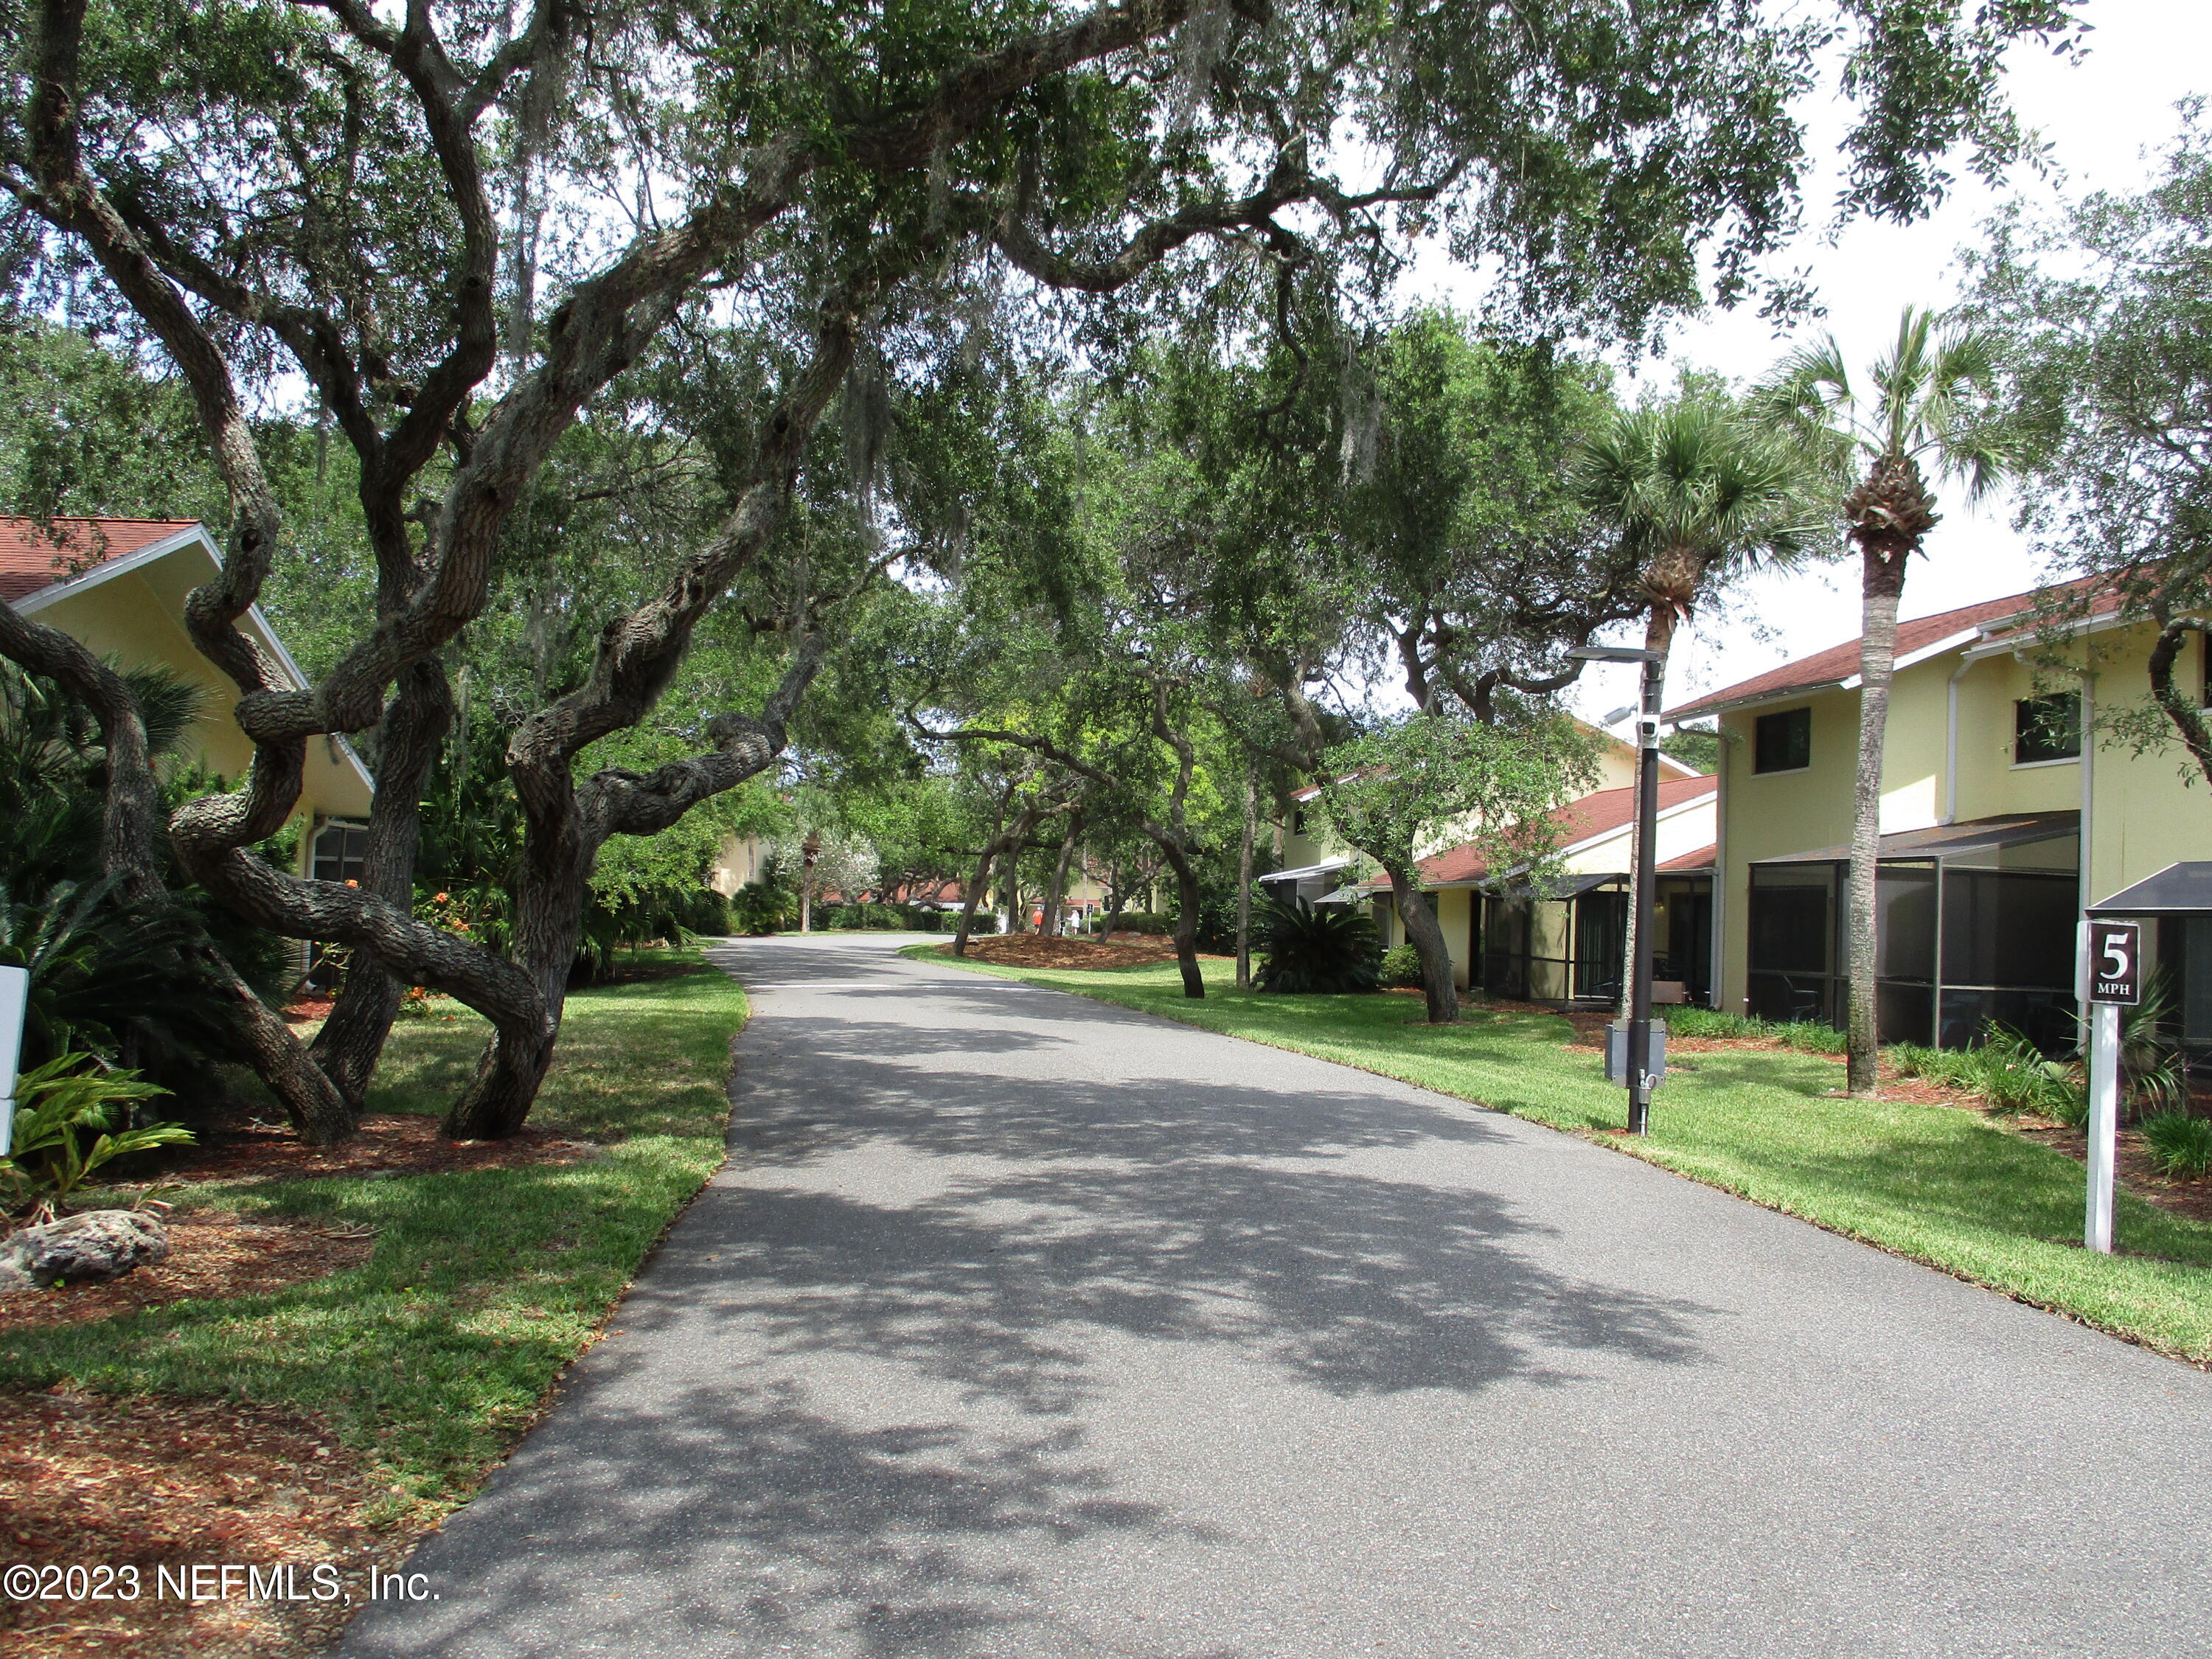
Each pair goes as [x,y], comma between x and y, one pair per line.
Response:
[1616,1051]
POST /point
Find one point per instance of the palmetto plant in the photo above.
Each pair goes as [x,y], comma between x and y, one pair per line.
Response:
[1319,950]
[1695,489]
[98,968]
[1919,409]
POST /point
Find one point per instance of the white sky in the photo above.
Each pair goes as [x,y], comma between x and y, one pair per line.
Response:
[2105,120]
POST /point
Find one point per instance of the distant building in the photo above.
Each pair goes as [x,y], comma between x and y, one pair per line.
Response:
[1564,945]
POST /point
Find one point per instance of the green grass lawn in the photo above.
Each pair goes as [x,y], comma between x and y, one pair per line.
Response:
[435,1353]
[1946,1187]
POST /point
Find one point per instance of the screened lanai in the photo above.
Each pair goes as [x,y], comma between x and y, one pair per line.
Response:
[1974,923]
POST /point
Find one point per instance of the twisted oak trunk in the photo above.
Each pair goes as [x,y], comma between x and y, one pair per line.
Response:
[352,1039]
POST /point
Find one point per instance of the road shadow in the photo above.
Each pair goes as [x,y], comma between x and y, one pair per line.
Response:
[858,1405]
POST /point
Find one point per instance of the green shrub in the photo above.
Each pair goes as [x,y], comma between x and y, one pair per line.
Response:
[2179,1143]
[708,912]
[1401,967]
[2005,1069]
[1808,1036]
[1949,1068]
[761,906]
[1711,1023]
[1144,921]
[72,1116]
[1812,1036]
[1319,951]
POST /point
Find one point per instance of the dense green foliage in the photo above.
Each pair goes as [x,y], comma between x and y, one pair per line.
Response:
[117,977]
[2179,1143]
[2106,319]
[1318,950]
[73,1116]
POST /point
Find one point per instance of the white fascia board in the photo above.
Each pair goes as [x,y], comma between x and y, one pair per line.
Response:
[2009,646]
[1914,659]
[111,568]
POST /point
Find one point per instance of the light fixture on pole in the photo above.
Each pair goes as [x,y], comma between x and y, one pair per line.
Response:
[1636,1064]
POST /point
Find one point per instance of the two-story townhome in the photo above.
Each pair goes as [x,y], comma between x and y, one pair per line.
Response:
[1564,944]
[1998,826]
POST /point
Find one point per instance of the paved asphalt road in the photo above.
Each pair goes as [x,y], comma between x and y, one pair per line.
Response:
[1024,1327]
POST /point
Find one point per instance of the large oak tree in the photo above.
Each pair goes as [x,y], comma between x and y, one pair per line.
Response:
[457,226]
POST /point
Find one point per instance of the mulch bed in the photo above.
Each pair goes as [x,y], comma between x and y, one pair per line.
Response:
[91,1480]
[309,1010]
[1038,950]
[213,1253]
[389,1142]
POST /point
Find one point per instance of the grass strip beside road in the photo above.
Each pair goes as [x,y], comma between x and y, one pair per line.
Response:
[433,1356]
[1949,1187]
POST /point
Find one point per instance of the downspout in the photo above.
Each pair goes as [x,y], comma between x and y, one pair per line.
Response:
[1951,741]
[1718,948]
[2088,779]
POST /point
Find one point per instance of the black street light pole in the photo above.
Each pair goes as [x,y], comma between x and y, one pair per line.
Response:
[1644,876]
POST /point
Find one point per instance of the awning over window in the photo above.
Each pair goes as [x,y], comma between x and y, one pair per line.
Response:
[1944,840]
[1566,887]
[2179,889]
[1325,867]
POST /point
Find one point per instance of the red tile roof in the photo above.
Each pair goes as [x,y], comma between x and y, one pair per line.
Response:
[1704,859]
[1598,813]
[32,556]
[1840,662]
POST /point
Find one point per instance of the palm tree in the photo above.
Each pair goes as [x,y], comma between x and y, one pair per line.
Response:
[1916,411]
[1696,493]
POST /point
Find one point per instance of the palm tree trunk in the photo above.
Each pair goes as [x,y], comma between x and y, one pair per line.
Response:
[1882,585]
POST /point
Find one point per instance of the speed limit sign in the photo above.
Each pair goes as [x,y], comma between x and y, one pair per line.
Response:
[2115,962]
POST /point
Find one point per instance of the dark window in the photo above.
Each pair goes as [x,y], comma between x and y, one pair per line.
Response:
[2047,728]
[1297,820]
[2185,957]
[1791,907]
[339,850]
[1783,742]
[1601,942]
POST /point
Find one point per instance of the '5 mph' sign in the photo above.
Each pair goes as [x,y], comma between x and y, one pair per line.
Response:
[2115,963]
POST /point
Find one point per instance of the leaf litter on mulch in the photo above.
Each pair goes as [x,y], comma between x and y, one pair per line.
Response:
[152,1482]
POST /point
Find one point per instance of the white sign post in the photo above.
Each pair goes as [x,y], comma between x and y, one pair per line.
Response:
[14,997]
[2112,974]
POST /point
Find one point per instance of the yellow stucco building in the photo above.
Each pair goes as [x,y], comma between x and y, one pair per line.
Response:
[1562,945]
[119,585]
[2000,823]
